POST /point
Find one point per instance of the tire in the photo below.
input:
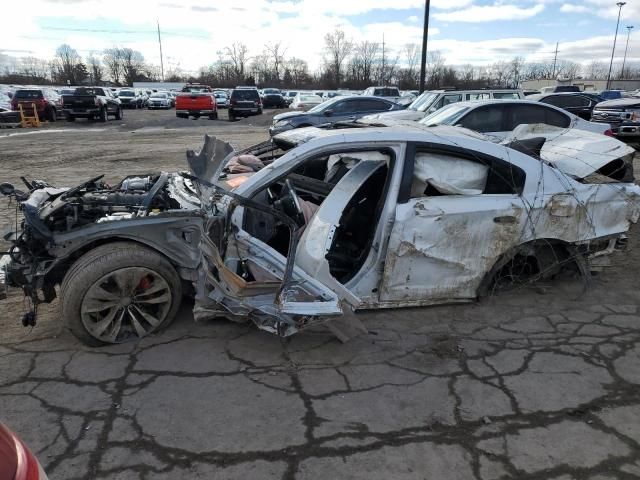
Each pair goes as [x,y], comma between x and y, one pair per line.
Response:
[232,117]
[119,112]
[102,116]
[71,118]
[213,116]
[53,116]
[260,112]
[94,274]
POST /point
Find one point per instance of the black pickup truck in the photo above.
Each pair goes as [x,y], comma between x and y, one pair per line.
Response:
[92,103]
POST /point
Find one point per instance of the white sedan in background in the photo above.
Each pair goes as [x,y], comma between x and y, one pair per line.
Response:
[303,101]
[498,118]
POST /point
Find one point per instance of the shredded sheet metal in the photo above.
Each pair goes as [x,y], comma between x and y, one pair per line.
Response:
[575,152]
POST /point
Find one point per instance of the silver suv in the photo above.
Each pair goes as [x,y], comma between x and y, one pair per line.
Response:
[623,115]
[432,100]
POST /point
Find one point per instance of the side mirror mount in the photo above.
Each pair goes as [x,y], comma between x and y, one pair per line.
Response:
[328,113]
[7,189]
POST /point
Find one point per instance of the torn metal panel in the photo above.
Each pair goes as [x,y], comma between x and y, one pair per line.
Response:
[442,247]
[578,153]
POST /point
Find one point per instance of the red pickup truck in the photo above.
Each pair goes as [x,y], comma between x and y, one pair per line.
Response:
[195,101]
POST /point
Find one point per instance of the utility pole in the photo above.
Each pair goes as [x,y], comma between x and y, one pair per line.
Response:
[160,45]
[624,59]
[620,5]
[383,67]
[555,59]
[423,61]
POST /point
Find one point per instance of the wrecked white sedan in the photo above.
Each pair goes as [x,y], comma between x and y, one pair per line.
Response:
[312,226]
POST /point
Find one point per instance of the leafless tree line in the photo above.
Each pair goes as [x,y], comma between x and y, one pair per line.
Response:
[346,64]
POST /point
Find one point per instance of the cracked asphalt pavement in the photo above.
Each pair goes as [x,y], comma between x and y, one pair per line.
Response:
[536,383]
[428,393]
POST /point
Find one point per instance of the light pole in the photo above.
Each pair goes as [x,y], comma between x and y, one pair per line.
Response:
[624,59]
[620,5]
[423,62]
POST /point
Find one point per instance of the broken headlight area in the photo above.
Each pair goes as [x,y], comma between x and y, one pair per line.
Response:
[45,212]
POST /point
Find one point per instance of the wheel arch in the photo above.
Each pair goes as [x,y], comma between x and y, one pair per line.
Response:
[57,273]
[550,255]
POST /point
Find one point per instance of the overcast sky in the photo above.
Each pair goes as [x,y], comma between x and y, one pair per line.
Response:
[465,31]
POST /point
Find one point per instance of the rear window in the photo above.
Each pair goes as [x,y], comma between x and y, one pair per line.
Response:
[567,88]
[245,95]
[28,94]
[89,91]
[386,92]
[196,89]
[506,95]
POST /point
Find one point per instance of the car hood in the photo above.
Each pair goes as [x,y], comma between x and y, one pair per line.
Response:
[208,162]
[620,103]
[578,153]
[412,115]
[288,116]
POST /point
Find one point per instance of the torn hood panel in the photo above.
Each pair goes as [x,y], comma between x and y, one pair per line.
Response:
[578,153]
[209,161]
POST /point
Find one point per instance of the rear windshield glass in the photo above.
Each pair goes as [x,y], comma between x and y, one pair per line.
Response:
[387,92]
[28,94]
[245,94]
[89,91]
[196,89]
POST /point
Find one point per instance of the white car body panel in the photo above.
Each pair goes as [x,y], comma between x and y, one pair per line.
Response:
[576,152]
[427,250]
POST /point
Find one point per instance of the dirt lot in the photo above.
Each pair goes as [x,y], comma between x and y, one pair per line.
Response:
[537,383]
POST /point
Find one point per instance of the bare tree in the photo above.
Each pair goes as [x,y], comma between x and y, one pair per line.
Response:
[411,54]
[113,60]
[595,70]
[364,57]
[515,71]
[35,67]
[499,73]
[68,66]
[237,53]
[260,68]
[276,53]
[133,67]
[298,71]
[567,69]
[338,48]
[435,69]
[96,71]
[467,74]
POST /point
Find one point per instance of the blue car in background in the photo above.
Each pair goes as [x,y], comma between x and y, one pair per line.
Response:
[338,109]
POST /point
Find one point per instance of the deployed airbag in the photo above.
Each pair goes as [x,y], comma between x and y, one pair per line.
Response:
[448,175]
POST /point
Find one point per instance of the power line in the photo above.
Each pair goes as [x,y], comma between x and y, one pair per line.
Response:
[125,32]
